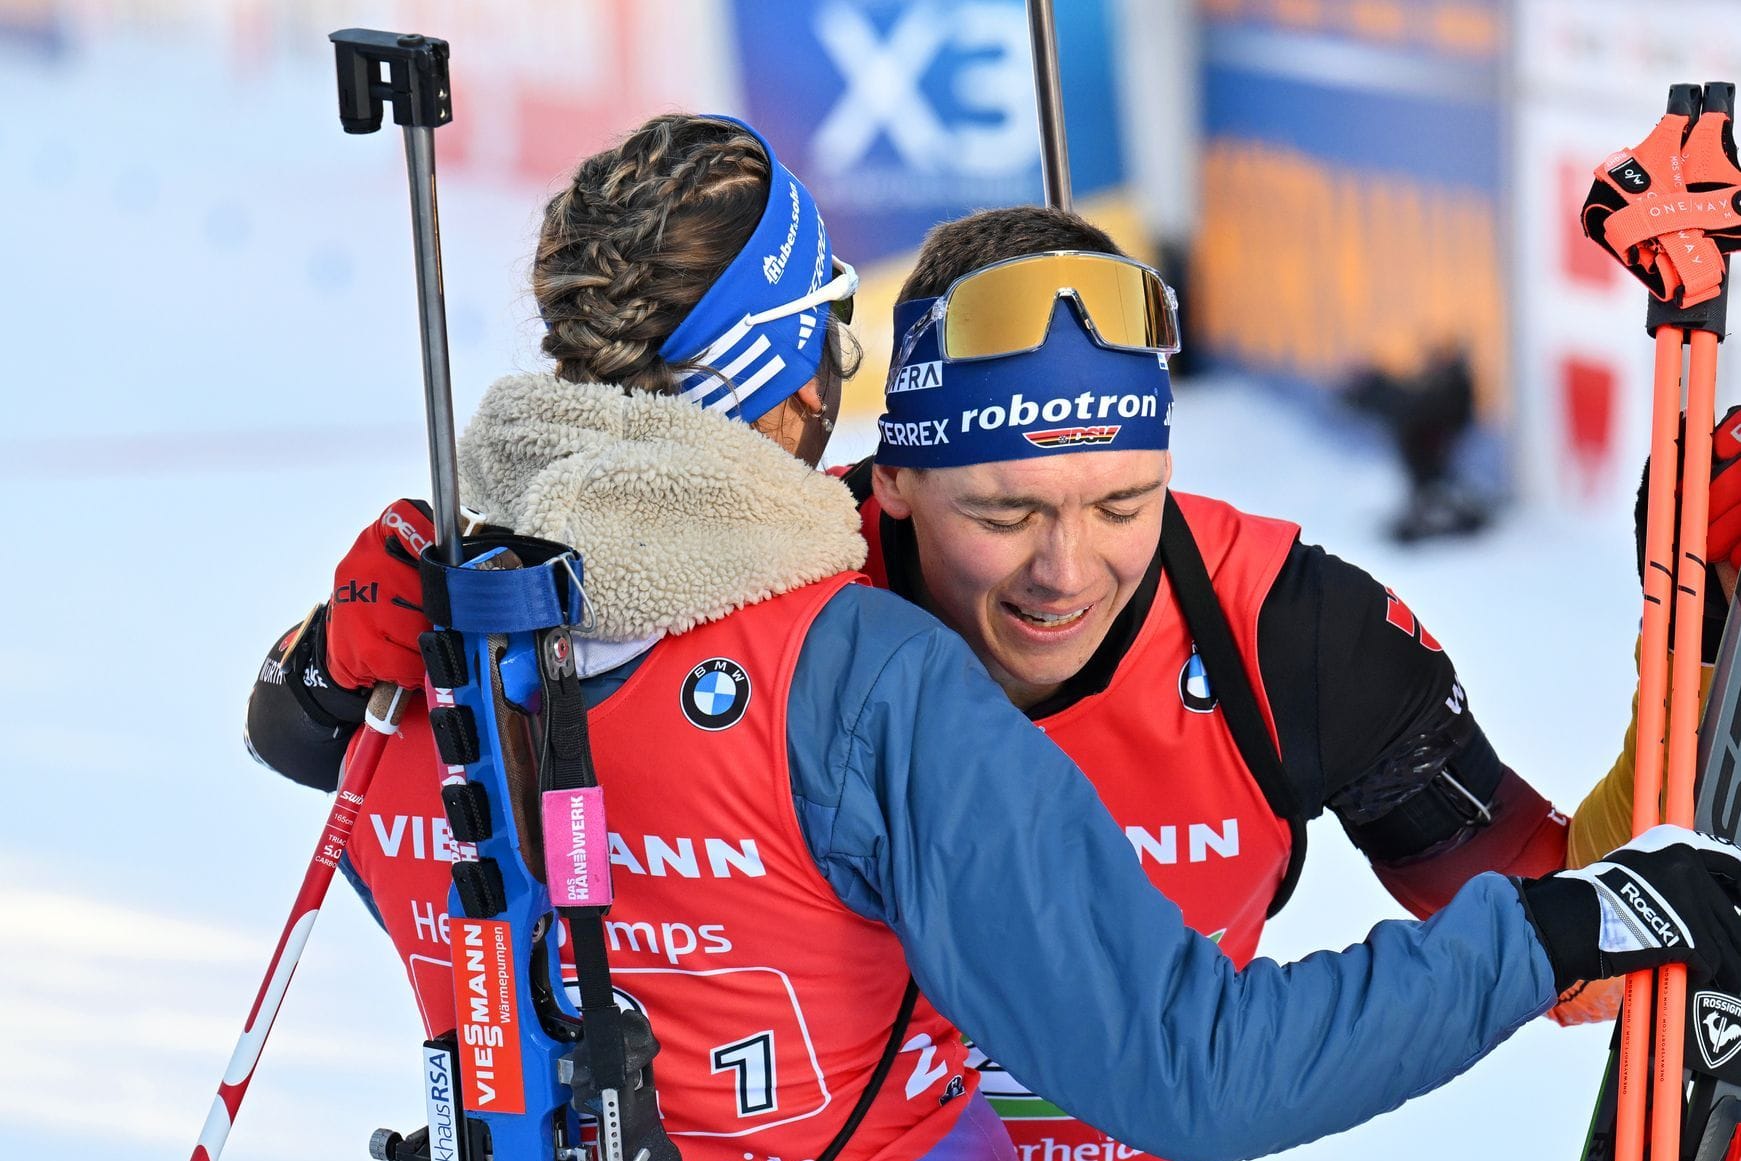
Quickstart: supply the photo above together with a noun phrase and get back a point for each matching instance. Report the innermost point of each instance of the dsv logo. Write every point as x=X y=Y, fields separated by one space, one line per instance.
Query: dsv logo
x=982 y=51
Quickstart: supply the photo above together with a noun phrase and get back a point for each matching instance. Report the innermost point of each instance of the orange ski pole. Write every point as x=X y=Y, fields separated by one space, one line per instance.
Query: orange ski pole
x=1692 y=148
x=1653 y=689
x=1683 y=741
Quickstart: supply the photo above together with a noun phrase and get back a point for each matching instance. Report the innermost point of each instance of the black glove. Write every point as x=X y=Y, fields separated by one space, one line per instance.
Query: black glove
x=1668 y=896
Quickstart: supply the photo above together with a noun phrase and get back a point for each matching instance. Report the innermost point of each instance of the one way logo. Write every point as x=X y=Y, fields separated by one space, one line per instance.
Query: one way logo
x=1718 y=1019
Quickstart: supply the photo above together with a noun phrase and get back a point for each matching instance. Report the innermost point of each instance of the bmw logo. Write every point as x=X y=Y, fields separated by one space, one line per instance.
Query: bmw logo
x=1194 y=691
x=715 y=694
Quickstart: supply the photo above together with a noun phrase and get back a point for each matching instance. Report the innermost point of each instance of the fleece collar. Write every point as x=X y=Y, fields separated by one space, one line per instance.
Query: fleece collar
x=681 y=515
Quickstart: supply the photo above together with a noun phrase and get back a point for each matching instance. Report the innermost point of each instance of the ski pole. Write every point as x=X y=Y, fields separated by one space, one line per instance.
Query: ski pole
x=1659 y=794
x=1670 y=1083
x=1049 y=95
x=1653 y=689
x=1690 y=574
x=382 y=721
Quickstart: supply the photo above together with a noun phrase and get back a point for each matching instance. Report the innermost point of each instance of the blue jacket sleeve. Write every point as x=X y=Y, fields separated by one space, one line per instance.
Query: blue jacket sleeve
x=931 y=804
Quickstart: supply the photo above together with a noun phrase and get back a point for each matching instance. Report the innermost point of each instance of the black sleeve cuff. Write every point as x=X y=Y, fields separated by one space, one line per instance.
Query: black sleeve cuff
x=305 y=676
x=1567 y=920
x=298 y=723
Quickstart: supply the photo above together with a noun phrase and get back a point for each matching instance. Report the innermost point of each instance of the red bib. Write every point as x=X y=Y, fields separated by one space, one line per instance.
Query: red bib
x=1156 y=747
x=771 y=999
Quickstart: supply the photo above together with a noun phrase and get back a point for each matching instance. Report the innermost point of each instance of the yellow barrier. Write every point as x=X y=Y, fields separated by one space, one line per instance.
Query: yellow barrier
x=1309 y=270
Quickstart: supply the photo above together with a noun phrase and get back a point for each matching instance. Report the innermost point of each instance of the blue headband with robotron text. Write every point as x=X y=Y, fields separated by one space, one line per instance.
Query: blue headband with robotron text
x=1070 y=395
x=748 y=370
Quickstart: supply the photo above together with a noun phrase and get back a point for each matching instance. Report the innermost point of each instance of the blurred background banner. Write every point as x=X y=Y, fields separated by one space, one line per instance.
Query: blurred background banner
x=1351 y=190
x=903 y=113
x=899 y=114
x=1593 y=81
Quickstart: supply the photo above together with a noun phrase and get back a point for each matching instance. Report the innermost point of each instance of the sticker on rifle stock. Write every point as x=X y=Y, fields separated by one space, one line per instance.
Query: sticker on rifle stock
x=577 y=847
x=487 y=1006
x=438 y=1099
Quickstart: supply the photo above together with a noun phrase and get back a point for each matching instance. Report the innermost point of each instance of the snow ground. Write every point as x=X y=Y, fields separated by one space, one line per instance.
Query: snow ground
x=210 y=382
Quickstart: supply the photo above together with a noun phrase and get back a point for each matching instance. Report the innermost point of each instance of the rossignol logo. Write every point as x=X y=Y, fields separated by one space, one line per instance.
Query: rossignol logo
x=916 y=377
x=715 y=694
x=392 y=522
x=1718 y=1016
x=774 y=265
x=1072 y=436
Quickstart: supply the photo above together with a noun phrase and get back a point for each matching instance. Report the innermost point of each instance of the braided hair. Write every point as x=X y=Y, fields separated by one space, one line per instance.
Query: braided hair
x=641 y=232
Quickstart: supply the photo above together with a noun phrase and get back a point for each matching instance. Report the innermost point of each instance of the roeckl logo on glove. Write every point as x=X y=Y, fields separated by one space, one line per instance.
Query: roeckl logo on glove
x=1623 y=890
x=1665 y=930
x=392 y=522
x=353 y=593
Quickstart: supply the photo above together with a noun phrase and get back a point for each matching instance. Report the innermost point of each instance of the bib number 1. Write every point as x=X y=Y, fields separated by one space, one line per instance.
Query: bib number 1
x=752 y=1058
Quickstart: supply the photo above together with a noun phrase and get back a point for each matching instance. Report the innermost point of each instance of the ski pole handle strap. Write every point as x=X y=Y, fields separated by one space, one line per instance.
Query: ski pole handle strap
x=1669 y=209
x=543 y=593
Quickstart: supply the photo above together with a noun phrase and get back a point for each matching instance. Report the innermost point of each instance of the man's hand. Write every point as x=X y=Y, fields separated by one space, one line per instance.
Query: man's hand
x=1668 y=896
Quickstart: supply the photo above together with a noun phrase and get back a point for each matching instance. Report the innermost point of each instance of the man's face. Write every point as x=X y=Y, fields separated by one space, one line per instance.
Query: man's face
x=1031 y=560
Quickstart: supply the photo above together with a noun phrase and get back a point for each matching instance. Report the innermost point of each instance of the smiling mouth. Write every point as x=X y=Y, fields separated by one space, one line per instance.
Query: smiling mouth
x=1047 y=620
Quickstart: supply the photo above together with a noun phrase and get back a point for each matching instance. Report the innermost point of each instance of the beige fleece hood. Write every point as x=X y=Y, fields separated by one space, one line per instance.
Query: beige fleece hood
x=680 y=515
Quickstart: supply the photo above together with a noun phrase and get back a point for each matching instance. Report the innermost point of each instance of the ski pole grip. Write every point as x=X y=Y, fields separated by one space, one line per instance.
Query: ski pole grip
x=1720 y=98
x=386 y=704
x=375 y=68
x=1685 y=100
x=1711 y=315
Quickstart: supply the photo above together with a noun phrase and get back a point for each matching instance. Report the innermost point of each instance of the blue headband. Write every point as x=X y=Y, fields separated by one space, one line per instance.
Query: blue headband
x=752 y=368
x=1070 y=395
